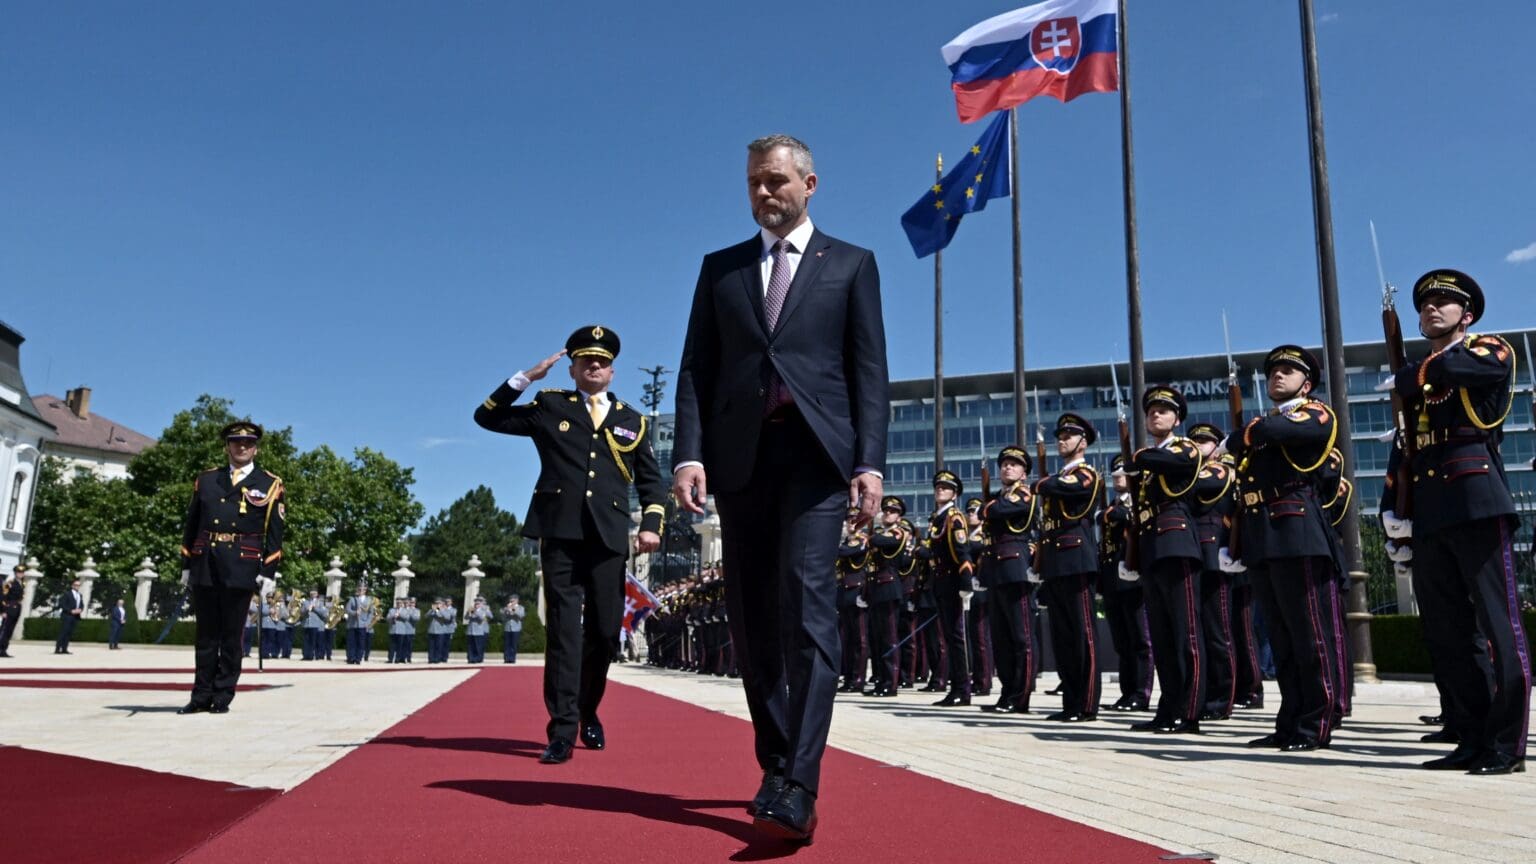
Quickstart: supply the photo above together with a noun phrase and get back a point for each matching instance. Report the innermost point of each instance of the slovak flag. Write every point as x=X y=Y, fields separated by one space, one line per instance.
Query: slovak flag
x=638 y=602
x=1061 y=48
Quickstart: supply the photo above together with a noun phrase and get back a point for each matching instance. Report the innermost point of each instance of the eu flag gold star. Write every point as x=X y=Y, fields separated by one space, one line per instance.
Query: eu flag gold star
x=970 y=192
x=937 y=189
x=938 y=205
x=978 y=178
x=975 y=150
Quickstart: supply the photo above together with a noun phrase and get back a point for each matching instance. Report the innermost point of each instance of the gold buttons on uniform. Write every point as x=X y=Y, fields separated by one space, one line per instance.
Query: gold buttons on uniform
x=592 y=455
x=589 y=493
x=1431 y=472
x=591 y=473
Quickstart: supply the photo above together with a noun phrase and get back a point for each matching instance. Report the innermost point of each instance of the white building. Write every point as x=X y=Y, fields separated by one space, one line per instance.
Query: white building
x=86 y=441
x=22 y=434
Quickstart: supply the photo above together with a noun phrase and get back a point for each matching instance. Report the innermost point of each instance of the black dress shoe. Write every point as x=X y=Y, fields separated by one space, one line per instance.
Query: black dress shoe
x=1003 y=706
x=1432 y=719
x=1441 y=736
x=218 y=709
x=953 y=699
x=1273 y=739
x=1298 y=745
x=1057 y=716
x=192 y=708
x=773 y=783
x=1119 y=705
x=1054 y=691
x=592 y=736
x=1498 y=763
x=1216 y=715
x=1075 y=717
x=791 y=815
x=1182 y=727
x=1148 y=725
x=1249 y=703
x=1460 y=759
x=559 y=750
x=881 y=693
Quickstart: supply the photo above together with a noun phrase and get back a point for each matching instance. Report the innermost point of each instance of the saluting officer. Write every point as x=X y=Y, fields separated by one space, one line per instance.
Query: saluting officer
x=591 y=448
x=1010 y=519
x=1288 y=545
x=1125 y=606
x=233 y=537
x=1171 y=561
x=1463 y=524
x=1069 y=561
x=1215 y=503
x=948 y=551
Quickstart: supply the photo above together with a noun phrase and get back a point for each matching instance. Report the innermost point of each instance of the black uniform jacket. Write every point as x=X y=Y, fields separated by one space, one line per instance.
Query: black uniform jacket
x=852 y=562
x=582 y=468
x=1114 y=520
x=1458 y=399
x=1214 y=505
x=948 y=550
x=1067 y=503
x=887 y=559
x=236 y=531
x=1280 y=459
x=1010 y=520
x=1165 y=518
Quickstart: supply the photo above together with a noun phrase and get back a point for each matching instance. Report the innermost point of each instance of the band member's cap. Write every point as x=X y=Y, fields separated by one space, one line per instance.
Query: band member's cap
x=973 y=505
x=1017 y=454
x=1297 y=357
x=593 y=341
x=1453 y=283
x=1117 y=465
x=241 y=429
x=1074 y=423
x=1205 y=432
x=893 y=502
x=1162 y=394
x=948 y=478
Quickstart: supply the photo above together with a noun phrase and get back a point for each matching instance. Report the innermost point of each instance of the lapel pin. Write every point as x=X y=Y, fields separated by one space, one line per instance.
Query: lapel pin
x=819 y=254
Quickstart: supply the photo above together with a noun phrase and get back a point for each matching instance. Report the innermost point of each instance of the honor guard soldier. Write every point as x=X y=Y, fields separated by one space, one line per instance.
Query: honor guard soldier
x=1248 y=671
x=1288 y=546
x=853 y=557
x=948 y=552
x=1170 y=560
x=1069 y=563
x=912 y=662
x=1336 y=493
x=233 y=538
x=592 y=448
x=888 y=557
x=1462 y=524
x=1010 y=520
x=1215 y=503
x=1125 y=608
x=978 y=618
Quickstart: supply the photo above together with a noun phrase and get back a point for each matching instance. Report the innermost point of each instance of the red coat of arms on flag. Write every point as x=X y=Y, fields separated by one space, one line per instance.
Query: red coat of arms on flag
x=1056 y=43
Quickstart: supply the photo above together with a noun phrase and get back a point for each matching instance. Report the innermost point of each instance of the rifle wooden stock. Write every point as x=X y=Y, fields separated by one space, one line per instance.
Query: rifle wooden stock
x=1133 y=478
x=1397 y=358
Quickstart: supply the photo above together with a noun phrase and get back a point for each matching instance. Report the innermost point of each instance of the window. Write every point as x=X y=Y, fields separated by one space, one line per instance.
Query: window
x=14 y=510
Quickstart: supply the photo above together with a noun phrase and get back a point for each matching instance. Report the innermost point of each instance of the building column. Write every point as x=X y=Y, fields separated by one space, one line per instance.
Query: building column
x=144 y=576
x=87 y=575
x=333 y=579
x=403 y=578
x=29 y=579
x=472 y=578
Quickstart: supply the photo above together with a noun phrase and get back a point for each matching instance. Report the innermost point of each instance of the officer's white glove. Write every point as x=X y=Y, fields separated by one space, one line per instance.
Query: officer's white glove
x=1399 y=553
x=186 y=578
x=1228 y=563
x=976 y=584
x=911 y=607
x=861 y=602
x=1127 y=575
x=1397 y=529
x=1031 y=575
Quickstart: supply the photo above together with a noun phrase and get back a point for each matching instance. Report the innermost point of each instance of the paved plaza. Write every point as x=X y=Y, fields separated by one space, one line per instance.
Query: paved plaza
x=1364 y=800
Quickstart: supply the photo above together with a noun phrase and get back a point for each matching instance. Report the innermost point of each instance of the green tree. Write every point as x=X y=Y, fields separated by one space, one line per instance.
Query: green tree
x=473 y=525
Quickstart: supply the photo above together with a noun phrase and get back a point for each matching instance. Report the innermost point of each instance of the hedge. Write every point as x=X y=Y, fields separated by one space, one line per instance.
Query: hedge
x=1397 y=643
x=136 y=632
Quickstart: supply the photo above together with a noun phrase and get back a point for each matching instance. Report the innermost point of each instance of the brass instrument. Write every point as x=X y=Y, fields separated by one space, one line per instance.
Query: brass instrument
x=338 y=612
x=295 y=612
x=373 y=604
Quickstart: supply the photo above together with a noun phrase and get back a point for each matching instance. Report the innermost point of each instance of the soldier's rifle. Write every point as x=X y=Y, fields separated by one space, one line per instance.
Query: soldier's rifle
x=1397 y=358
x=1039 y=438
x=986 y=475
x=1235 y=410
x=1132 y=477
x=1531 y=370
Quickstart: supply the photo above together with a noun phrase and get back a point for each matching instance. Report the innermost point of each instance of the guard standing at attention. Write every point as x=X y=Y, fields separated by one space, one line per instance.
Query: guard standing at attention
x=592 y=448
x=1069 y=562
x=233 y=538
x=1010 y=520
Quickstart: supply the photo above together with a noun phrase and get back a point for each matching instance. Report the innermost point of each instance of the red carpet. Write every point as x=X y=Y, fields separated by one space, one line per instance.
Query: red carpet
x=459 y=780
x=65 y=810
x=118 y=685
x=335 y=667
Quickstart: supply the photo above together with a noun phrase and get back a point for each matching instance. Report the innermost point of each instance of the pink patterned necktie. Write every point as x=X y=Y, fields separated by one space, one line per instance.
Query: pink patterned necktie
x=773 y=303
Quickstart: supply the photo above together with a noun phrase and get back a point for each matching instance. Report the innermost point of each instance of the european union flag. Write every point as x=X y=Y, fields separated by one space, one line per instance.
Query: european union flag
x=981 y=176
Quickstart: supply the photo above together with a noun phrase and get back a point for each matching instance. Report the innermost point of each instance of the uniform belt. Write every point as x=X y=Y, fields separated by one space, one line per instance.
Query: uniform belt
x=220 y=537
x=1459 y=434
x=1254 y=498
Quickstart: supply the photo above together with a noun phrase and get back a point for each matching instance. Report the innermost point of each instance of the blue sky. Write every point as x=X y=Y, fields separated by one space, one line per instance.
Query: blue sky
x=357 y=218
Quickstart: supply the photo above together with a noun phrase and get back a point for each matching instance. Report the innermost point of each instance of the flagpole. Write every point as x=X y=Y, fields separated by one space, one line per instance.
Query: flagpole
x=1358 y=616
x=938 y=341
x=1132 y=251
x=1018 y=279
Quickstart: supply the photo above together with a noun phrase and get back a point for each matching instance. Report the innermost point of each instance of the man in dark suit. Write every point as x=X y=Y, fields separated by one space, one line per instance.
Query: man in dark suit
x=782 y=398
x=591 y=448
x=71 y=604
x=233 y=537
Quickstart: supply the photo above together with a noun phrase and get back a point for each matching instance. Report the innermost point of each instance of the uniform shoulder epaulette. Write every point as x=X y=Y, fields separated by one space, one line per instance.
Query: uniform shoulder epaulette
x=270 y=474
x=555 y=390
x=1483 y=344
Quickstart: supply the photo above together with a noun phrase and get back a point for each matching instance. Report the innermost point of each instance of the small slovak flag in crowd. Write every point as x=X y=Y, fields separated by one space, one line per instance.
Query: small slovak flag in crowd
x=1061 y=48
x=638 y=602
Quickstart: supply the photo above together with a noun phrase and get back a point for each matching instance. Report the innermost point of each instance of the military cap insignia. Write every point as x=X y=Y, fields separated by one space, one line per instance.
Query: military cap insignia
x=597 y=332
x=565 y=425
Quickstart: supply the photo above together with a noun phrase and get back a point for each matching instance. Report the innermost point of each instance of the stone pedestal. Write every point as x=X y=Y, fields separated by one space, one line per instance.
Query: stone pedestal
x=333 y=579
x=403 y=578
x=29 y=579
x=710 y=547
x=472 y=578
x=87 y=575
x=143 y=577
x=1407 y=604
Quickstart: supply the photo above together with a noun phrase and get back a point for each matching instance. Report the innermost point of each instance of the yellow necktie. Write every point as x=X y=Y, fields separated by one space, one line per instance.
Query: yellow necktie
x=596 y=409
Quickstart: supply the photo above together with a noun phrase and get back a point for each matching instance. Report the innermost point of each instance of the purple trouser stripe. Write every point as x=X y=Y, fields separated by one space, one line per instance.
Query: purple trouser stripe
x=1148 y=669
x=1225 y=597
x=1512 y=609
x=1091 y=699
x=1193 y=708
x=1341 y=661
x=1314 y=612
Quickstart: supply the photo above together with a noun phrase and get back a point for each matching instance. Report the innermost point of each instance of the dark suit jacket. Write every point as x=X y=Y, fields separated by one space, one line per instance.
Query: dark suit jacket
x=582 y=468
x=828 y=348
x=248 y=518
